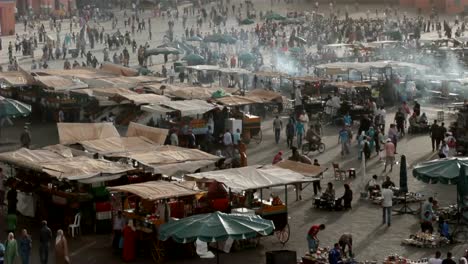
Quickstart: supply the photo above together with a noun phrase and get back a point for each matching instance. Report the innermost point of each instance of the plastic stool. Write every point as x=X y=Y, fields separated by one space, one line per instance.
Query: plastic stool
x=352 y=173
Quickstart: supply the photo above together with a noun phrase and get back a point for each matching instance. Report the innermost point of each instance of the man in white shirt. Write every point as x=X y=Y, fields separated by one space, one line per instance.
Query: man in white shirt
x=174 y=139
x=387 y=203
x=436 y=259
x=227 y=141
x=236 y=137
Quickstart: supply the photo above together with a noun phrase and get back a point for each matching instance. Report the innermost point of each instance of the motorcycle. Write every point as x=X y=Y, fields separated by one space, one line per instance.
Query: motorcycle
x=316 y=146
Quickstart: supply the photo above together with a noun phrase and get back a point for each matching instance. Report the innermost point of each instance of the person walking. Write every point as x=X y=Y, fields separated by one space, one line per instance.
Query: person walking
x=119 y=223
x=25 y=138
x=389 y=154
x=387 y=204
x=227 y=141
x=290 y=131
x=11 y=249
x=277 y=126
x=61 y=249
x=449 y=259
x=433 y=133
x=300 y=131
x=344 y=139
x=25 y=245
x=45 y=236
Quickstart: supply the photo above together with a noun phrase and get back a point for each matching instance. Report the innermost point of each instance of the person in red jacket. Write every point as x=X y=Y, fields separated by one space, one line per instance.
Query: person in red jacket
x=312 y=237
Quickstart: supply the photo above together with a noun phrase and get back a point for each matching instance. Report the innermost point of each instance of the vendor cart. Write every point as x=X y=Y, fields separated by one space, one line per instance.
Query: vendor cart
x=279 y=215
x=252 y=129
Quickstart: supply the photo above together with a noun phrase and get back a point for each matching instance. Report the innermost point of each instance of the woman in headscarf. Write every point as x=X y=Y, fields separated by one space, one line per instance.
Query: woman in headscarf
x=61 y=249
x=25 y=245
x=278 y=157
x=371 y=138
x=11 y=249
x=129 y=236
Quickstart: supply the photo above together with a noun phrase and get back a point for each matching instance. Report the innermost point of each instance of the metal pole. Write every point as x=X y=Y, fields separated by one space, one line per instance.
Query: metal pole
x=286 y=195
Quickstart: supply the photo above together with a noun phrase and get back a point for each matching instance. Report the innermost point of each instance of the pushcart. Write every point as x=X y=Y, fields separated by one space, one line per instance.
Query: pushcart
x=252 y=128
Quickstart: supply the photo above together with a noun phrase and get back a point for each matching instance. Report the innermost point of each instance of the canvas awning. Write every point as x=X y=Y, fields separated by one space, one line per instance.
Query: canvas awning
x=156 y=135
x=171 y=160
x=113 y=145
x=71 y=133
x=302 y=168
x=349 y=85
x=154 y=190
x=31 y=159
x=189 y=92
x=62 y=165
x=204 y=68
x=252 y=177
x=15 y=78
x=269 y=74
x=190 y=107
x=140 y=99
x=265 y=95
x=58 y=83
x=237 y=100
x=80 y=168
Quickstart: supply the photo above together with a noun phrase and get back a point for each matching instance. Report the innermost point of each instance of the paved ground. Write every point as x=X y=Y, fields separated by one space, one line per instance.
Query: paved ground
x=372 y=240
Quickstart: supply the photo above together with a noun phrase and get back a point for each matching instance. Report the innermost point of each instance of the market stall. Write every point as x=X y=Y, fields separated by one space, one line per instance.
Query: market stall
x=55 y=178
x=151 y=204
x=242 y=183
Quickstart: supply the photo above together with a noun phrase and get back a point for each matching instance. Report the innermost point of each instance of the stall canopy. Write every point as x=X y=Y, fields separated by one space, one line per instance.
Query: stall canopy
x=64 y=166
x=155 y=190
x=204 y=68
x=252 y=177
x=190 y=107
x=114 y=145
x=83 y=168
x=16 y=78
x=349 y=85
x=141 y=99
x=337 y=67
x=237 y=100
x=444 y=171
x=157 y=135
x=71 y=133
x=265 y=95
x=58 y=83
x=171 y=160
x=188 y=92
x=307 y=170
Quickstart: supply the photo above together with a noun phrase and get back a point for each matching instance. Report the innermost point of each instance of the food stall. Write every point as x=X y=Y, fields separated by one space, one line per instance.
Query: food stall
x=243 y=183
x=183 y=116
x=151 y=204
x=54 y=177
x=251 y=124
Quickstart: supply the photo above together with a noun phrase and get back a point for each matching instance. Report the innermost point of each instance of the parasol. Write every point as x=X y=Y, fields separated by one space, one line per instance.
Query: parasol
x=13 y=108
x=215 y=227
x=246 y=57
x=194 y=38
x=163 y=50
x=445 y=171
x=403 y=175
x=247 y=21
x=274 y=16
x=194 y=59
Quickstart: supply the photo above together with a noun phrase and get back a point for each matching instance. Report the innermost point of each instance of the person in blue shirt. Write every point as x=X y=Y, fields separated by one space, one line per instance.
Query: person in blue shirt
x=334 y=256
x=344 y=139
x=300 y=131
x=2 y=253
x=347 y=120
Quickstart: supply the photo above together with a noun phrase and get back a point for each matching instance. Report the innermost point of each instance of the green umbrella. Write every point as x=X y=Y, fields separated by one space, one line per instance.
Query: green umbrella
x=194 y=59
x=195 y=38
x=163 y=50
x=296 y=50
x=462 y=188
x=246 y=57
x=215 y=227
x=13 y=108
x=274 y=16
x=247 y=21
x=445 y=171
x=403 y=175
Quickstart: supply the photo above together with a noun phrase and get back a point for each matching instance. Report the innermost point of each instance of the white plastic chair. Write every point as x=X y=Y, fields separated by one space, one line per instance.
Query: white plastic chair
x=75 y=226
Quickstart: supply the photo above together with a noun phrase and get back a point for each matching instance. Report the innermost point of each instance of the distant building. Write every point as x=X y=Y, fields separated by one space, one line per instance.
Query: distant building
x=442 y=6
x=7 y=17
x=56 y=7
